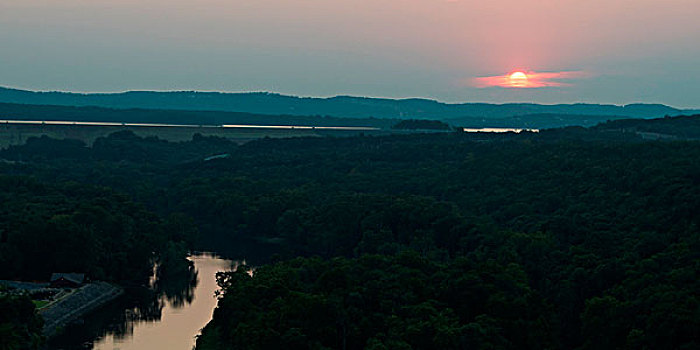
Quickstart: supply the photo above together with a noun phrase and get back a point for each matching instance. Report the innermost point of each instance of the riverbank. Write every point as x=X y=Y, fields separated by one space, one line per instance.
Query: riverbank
x=168 y=316
x=77 y=304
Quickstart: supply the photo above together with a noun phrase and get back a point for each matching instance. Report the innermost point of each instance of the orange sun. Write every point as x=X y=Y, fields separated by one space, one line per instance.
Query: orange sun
x=527 y=79
x=518 y=79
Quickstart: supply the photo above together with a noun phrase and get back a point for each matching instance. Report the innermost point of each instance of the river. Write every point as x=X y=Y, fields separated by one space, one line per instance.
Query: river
x=169 y=318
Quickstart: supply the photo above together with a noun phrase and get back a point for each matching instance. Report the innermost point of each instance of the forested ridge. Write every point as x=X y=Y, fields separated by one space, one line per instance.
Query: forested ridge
x=338 y=106
x=680 y=127
x=570 y=238
x=13 y=111
x=421 y=124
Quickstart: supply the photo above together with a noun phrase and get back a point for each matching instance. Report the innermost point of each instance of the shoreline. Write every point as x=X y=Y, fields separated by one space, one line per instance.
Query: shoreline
x=82 y=301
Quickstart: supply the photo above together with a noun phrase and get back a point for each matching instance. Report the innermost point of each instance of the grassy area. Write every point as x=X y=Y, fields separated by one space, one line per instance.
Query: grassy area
x=14 y=134
x=40 y=303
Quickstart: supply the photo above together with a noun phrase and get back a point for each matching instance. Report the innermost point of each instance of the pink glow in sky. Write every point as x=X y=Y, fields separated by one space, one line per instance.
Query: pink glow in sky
x=634 y=50
x=523 y=79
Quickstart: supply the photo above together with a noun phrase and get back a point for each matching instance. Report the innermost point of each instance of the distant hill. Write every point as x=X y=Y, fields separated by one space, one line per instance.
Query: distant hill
x=536 y=121
x=340 y=106
x=680 y=127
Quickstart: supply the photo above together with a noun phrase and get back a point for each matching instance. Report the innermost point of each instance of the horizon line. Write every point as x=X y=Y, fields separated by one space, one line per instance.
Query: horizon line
x=328 y=97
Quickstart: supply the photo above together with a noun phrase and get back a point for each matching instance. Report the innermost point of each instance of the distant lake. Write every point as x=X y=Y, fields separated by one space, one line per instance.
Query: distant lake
x=515 y=130
x=169 y=319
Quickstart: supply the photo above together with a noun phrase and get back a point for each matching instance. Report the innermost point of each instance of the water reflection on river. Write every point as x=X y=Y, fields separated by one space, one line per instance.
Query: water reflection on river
x=170 y=318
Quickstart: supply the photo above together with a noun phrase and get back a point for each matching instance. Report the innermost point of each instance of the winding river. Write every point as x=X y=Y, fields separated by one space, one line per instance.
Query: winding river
x=170 y=318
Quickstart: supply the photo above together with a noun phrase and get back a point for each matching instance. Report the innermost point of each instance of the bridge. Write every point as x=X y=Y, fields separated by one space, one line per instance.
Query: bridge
x=16 y=132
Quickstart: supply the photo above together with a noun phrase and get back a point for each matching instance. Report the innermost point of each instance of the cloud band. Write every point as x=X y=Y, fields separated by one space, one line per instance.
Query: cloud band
x=533 y=80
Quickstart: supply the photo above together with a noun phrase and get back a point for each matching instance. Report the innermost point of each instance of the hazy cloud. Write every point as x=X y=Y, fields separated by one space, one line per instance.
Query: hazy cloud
x=529 y=79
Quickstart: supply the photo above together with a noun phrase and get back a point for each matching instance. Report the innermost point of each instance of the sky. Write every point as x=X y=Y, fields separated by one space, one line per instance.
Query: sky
x=599 y=51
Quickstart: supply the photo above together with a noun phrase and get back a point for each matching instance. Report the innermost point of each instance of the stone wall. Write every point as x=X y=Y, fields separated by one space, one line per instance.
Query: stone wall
x=77 y=304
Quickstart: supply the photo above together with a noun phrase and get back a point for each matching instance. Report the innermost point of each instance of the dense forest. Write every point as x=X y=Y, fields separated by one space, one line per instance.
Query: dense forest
x=565 y=239
x=76 y=227
x=681 y=127
x=421 y=124
x=20 y=326
x=12 y=111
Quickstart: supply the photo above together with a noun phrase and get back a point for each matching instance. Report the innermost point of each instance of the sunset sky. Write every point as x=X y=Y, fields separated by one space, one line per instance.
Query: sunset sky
x=606 y=51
